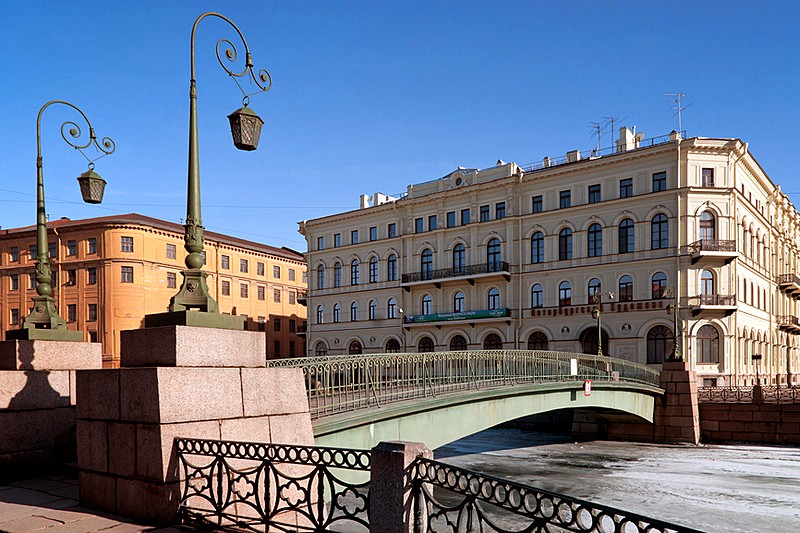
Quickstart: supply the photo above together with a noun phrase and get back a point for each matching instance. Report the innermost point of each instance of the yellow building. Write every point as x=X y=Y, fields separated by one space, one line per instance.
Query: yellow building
x=109 y=272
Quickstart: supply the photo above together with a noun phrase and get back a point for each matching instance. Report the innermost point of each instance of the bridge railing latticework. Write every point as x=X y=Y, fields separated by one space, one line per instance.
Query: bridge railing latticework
x=346 y=383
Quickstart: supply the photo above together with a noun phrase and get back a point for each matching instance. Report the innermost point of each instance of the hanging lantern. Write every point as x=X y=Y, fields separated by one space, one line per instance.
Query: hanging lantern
x=92 y=187
x=245 y=128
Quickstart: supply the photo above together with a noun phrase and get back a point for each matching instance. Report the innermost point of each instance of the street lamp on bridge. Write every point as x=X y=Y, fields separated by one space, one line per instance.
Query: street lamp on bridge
x=673 y=309
x=597 y=314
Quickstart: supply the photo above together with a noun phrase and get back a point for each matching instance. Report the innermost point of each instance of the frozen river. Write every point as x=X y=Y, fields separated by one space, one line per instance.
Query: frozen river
x=715 y=488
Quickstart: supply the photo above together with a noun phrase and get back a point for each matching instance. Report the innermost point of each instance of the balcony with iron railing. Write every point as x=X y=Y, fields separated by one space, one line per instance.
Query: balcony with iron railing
x=302 y=297
x=789 y=323
x=790 y=284
x=720 y=303
x=724 y=250
x=468 y=272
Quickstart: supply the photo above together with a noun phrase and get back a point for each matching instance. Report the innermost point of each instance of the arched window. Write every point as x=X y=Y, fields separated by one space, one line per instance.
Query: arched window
x=537 y=296
x=594 y=290
x=565 y=244
x=708 y=344
x=565 y=294
x=320 y=349
x=354 y=272
x=707 y=292
x=320 y=277
x=458 y=344
x=426 y=263
x=707 y=226
x=626 y=288
x=392 y=346
x=372 y=309
x=459 y=259
x=659 y=232
x=492 y=342
x=494 y=298
x=425 y=345
x=373 y=270
x=659 y=344
x=354 y=312
x=320 y=314
x=588 y=340
x=391 y=308
x=426 y=304
x=493 y=255
x=458 y=302
x=537 y=247
x=337 y=275
x=595 y=236
x=337 y=311
x=626 y=236
x=659 y=286
x=538 y=341
x=355 y=348
x=391 y=268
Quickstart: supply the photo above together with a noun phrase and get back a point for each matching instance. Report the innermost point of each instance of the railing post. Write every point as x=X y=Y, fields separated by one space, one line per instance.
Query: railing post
x=392 y=507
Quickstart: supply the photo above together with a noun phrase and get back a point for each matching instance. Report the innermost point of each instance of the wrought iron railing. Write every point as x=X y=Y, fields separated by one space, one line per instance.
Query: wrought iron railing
x=454 y=272
x=346 y=383
x=789 y=279
x=712 y=299
x=712 y=245
x=271 y=487
x=788 y=321
x=486 y=503
x=749 y=394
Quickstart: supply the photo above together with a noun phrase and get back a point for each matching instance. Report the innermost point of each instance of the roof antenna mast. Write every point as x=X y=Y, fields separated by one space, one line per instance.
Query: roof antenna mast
x=612 y=121
x=596 y=126
x=678 y=107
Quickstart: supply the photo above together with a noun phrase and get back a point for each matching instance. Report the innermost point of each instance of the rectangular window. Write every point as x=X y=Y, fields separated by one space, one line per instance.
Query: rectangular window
x=373 y=233
x=126 y=274
x=708 y=177
x=126 y=244
x=72 y=247
x=244 y=290
x=659 y=181
x=92 y=272
x=172 y=251
x=276 y=324
x=337 y=240
x=292 y=274
x=226 y=288
x=292 y=325
x=292 y=297
x=244 y=265
x=450 y=219
x=354 y=237
x=92 y=336
x=432 y=222
x=14 y=282
x=500 y=210
x=276 y=272
x=92 y=315
x=564 y=199
x=594 y=194
x=262 y=323
x=72 y=312
x=72 y=278
x=276 y=348
x=391 y=230
x=305 y=278
x=91 y=246
x=537 y=204
x=464 y=217
x=626 y=188
x=291 y=348
x=320 y=243
x=33 y=251
x=262 y=292
x=31 y=281
x=225 y=262
x=418 y=225
x=172 y=280
x=484 y=213
x=14 y=253
x=14 y=317
x=276 y=296
x=52 y=249
x=260 y=269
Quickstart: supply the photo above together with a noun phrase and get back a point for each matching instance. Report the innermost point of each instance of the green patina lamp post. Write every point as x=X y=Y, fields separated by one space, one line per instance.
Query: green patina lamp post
x=245 y=129
x=672 y=309
x=44 y=322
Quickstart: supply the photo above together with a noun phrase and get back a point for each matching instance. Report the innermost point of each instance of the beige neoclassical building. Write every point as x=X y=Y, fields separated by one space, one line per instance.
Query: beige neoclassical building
x=519 y=257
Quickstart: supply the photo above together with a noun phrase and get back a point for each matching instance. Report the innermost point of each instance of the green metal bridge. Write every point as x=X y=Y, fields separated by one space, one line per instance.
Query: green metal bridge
x=439 y=397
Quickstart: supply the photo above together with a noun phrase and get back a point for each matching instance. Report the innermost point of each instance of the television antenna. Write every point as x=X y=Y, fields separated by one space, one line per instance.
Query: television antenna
x=612 y=121
x=598 y=131
x=677 y=99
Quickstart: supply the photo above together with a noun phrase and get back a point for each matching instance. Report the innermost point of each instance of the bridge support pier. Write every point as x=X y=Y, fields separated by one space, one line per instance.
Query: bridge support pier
x=391 y=495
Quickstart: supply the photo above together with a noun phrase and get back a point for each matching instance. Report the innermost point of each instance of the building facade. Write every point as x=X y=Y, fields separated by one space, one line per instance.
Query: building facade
x=519 y=258
x=110 y=272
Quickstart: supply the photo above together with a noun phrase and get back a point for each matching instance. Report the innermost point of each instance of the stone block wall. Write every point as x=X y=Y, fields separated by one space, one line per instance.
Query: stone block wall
x=763 y=423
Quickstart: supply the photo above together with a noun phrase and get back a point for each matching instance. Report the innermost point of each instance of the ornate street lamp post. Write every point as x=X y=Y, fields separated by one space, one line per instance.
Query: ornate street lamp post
x=44 y=321
x=245 y=129
x=672 y=309
x=597 y=315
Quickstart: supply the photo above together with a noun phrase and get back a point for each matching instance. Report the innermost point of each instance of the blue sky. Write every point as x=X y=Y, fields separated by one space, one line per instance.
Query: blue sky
x=371 y=96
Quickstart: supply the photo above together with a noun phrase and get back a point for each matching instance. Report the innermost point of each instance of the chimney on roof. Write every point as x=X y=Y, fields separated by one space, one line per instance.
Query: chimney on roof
x=573 y=155
x=626 y=140
x=364 y=201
